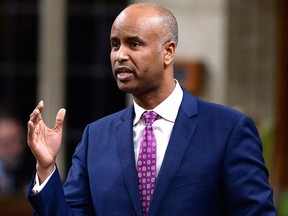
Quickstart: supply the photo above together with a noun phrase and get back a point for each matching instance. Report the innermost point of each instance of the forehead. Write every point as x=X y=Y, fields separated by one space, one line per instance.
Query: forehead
x=136 y=21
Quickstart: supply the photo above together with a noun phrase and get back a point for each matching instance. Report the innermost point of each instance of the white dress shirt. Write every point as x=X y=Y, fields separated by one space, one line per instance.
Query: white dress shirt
x=162 y=126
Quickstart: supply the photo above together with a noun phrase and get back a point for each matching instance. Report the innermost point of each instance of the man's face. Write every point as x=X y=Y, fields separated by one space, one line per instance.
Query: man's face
x=11 y=146
x=137 y=55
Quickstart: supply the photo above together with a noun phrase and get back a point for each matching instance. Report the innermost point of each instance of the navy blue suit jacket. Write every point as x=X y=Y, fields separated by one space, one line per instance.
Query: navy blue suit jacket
x=213 y=166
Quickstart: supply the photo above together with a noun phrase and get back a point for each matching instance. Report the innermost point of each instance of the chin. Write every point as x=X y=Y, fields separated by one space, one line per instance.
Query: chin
x=124 y=88
x=128 y=87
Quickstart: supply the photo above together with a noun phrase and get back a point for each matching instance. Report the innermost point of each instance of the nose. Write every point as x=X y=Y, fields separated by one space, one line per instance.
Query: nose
x=121 y=54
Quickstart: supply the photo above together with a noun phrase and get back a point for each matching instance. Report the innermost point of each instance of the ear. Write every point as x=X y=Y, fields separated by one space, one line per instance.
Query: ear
x=170 y=48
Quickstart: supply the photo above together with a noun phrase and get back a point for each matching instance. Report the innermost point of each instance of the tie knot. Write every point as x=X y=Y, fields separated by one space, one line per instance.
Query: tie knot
x=149 y=117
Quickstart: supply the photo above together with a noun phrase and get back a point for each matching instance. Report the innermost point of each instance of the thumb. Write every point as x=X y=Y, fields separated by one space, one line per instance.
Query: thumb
x=60 y=119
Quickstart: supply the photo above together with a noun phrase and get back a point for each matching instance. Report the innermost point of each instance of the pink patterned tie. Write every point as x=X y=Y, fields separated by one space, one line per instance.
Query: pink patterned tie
x=146 y=165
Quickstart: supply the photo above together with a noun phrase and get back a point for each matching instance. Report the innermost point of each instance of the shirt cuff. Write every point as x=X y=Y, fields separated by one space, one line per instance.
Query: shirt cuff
x=37 y=188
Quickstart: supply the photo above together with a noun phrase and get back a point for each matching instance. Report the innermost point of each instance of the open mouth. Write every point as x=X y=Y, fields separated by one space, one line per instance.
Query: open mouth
x=123 y=73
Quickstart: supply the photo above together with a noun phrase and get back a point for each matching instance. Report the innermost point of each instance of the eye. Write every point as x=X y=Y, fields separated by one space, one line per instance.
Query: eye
x=115 y=45
x=135 y=44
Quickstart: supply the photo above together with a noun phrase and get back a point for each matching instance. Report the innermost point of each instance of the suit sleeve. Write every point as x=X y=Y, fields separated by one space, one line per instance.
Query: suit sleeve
x=245 y=176
x=51 y=200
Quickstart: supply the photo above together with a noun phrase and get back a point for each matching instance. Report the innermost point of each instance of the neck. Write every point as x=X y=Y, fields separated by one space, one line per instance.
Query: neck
x=152 y=99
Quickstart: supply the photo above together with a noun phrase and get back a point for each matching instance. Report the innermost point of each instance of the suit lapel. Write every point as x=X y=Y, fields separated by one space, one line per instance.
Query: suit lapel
x=127 y=159
x=179 y=142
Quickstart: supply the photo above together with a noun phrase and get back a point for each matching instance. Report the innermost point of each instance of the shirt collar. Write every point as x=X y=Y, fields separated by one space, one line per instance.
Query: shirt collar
x=167 y=109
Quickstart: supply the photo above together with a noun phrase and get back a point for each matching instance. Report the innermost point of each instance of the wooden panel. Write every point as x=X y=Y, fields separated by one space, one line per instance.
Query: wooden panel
x=15 y=206
x=189 y=74
x=280 y=174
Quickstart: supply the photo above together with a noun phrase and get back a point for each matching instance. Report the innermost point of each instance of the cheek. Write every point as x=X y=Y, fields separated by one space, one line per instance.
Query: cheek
x=112 y=57
x=152 y=60
x=155 y=64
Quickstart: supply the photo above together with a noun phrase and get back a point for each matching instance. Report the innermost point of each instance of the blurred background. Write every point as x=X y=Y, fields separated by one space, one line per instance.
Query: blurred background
x=230 y=52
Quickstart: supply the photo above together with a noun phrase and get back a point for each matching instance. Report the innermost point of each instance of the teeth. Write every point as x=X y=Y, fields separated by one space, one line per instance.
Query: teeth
x=123 y=75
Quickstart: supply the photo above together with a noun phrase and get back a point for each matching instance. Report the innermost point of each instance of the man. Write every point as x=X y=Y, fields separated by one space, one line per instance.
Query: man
x=14 y=177
x=208 y=160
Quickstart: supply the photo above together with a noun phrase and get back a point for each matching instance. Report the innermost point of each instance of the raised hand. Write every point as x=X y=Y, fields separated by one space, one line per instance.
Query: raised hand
x=43 y=141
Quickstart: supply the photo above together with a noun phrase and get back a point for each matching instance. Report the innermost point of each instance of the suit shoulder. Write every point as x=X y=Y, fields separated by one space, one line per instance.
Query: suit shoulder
x=223 y=118
x=218 y=110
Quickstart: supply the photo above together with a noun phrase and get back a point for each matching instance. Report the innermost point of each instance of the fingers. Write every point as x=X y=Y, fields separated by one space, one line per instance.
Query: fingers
x=35 y=116
x=40 y=105
x=60 y=119
x=30 y=133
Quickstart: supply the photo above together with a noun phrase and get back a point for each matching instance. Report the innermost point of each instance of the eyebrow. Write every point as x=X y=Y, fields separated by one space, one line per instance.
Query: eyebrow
x=130 y=38
x=134 y=38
